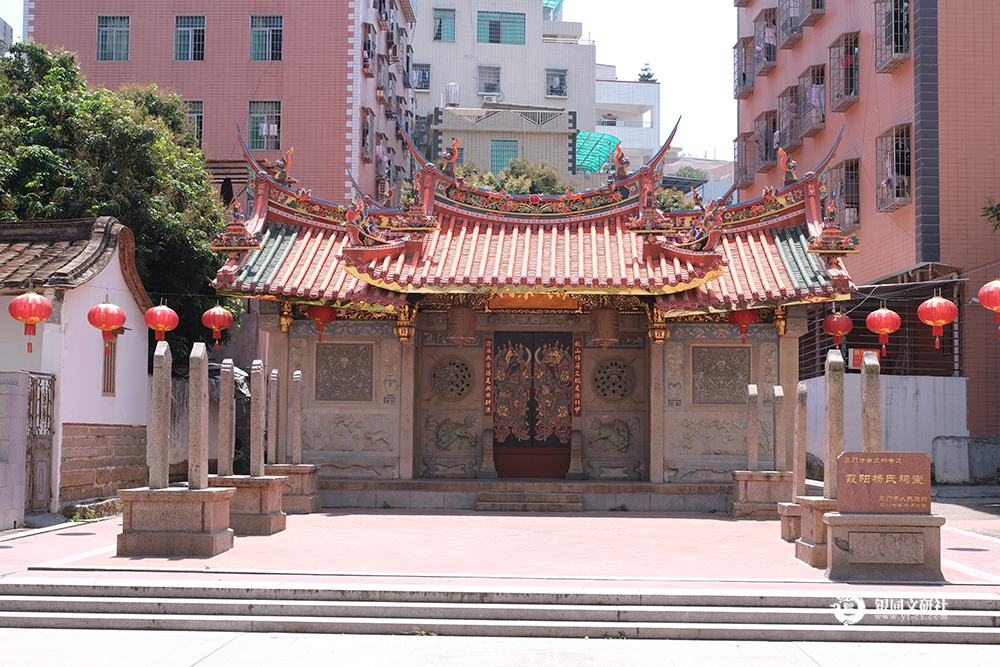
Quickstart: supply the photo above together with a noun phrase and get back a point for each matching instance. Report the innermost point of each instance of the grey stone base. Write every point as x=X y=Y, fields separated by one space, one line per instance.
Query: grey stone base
x=791 y=521
x=883 y=547
x=301 y=504
x=257 y=524
x=256 y=506
x=175 y=522
x=811 y=547
x=755 y=511
x=167 y=544
x=810 y=553
x=300 y=493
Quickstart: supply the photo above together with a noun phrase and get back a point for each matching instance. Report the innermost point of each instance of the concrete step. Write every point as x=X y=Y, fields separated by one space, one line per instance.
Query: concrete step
x=503 y=627
x=528 y=507
x=571 y=613
x=528 y=497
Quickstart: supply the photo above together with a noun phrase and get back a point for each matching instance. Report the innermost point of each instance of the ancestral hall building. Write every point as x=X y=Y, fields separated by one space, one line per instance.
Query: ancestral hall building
x=580 y=336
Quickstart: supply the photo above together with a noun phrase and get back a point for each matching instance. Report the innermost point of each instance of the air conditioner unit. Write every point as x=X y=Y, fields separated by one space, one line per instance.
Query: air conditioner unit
x=490 y=98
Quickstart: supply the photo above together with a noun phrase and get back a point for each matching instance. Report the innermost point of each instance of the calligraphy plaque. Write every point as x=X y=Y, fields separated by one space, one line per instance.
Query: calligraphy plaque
x=488 y=375
x=577 y=376
x=884 y=483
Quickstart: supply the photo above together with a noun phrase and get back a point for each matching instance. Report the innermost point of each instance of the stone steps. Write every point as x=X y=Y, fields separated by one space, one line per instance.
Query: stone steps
x=528 y=501
x=549 y=612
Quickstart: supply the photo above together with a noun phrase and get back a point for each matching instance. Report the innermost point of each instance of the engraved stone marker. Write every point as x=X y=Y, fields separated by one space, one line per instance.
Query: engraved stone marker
x=884 y=483
x=871 y=403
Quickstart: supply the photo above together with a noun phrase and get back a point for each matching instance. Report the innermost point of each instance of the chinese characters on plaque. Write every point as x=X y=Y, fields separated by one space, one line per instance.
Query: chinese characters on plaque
x=884 y=483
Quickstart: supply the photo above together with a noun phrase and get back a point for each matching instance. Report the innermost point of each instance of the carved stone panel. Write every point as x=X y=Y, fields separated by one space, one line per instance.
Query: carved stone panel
x=460 y=468
x=719 y=374
x=613 y=380
x=355 y=469
x=768 y=369
x=674 y=380
x=344 y=371
x=451 y=378
x=613 y=434
x=614 y=469
x=451 y=432
x=324 y=431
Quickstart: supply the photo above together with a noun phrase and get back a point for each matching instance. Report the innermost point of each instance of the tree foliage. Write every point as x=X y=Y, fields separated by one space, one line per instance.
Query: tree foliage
x=672 y=199
x=520 y=178
x=646 y=74
x=687 y=171
x=992 y=213
x=70 y=151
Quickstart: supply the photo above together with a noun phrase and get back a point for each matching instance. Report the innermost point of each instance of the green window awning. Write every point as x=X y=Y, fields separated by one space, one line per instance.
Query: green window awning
x=593 y=149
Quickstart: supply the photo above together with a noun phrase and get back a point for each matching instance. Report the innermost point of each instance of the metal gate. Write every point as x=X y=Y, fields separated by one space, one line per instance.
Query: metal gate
x=38 y=465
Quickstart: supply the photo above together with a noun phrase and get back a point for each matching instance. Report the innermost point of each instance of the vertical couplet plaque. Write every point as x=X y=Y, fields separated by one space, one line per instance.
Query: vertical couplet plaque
x=577 y=375
x=488 y=374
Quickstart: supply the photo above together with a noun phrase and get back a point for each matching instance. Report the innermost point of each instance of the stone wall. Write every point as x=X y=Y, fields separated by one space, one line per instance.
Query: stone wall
x=13 y=426
x=99 y=459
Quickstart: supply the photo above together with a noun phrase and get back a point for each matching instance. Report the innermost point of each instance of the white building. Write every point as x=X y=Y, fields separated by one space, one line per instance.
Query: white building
x=630 y=111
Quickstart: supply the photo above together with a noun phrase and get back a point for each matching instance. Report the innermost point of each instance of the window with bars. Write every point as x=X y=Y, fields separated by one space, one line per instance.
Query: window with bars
x=844 y=186
x=789 y=23
x=746 y=160
x=812 y=101
x=788 y=119
x=892 y=34
x=765 y=140
x=189 y=38
x=113 y=37
x=499 y=28
x=892 y=168
x=743 y=54
x=195 y=116
x=502 y=151
x=444 y=25
x=422 y=78
x=844 y=72
x=489 y=80
x=555 y=83
x=108 y=370
x=265 y=126
x=812 y=11
x=765 y=35
x=367 y=135
x=265 y=37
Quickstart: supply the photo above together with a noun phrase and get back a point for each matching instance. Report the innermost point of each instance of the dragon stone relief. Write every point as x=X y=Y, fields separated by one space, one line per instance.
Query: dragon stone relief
x=358 y=470
x=462 y=468
x=610 y=435
x=347 y=433
x=447 y=434
x=719 y=436
x=615 y=469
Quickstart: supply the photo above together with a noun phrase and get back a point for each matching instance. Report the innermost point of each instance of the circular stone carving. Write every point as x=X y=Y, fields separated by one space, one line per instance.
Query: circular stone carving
x=614 y=380
x=451 y=378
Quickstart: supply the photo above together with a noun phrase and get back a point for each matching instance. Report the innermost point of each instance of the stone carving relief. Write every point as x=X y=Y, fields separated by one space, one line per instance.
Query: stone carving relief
x=759 y=331
x=461 y=468
x=348 y=433
x=569 y=321
x=344 y=371
x=625 y=340
x=719 y=375
x=719 y=436
x=374 y=470
x=768 y=369
x=615 y=469
x=451 y=378
x=390 y=368
x=610 y=435
x=674 y=375
x=451 y=434
x=698 y=472
x=440 y=339
x=613 y=380
x=297 y=356
x=342 y=327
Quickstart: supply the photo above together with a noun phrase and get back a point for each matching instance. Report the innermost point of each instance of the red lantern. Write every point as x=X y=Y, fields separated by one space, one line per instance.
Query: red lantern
x=883 y=322
x=30 y=308
x=838 y=325
x=321 y=315
x=217 y=319
x=107 y=317
x=989 y=296
x=161 y=319
x=743 y=319
x=937 y=312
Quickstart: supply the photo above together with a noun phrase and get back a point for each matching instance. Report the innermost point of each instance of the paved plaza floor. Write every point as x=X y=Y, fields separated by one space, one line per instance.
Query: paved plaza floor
x=440 y=549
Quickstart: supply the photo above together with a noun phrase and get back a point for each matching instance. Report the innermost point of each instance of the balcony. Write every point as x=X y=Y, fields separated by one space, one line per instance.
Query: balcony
x=812 y=101
x=743 y=68
x=745 y=160
x=788 y=119
x=893 y=168
x=789 y=26
x=741 y=3
x=812 y=11
x=844 y=72
x=765 y=30
x=892 y=35
x=765 y=127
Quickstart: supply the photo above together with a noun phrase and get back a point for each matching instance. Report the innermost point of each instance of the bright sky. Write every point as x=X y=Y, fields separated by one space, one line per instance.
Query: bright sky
x=687 y=43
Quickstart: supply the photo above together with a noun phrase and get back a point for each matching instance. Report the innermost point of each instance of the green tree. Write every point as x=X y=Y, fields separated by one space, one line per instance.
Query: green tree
x=992 y=213
x=70 y=151
x=672 y=199
x=646 y=74
x=520 y=178
x=687 y=171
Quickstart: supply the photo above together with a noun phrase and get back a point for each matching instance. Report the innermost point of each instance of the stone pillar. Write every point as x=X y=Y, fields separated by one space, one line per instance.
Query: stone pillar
x=833 y=436
x=159 y=419
x=257 y=418
x=799 y=458
x=275 y=443
x=576 y=456
x=296 y=426
x=751 y=428
x=198 y=418
x=871 y=403
x=657 y=405
x=227 y=413
x=277 y=360
x=796 y=324
x=780 y=436
x=407 y=409
x=488 y=470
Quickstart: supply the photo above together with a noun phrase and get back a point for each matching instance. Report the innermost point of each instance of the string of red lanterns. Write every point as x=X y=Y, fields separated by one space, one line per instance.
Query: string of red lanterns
x=837 y=325
x=989 y=297
x=161 y=319
x=936 y=312
x=217 y=319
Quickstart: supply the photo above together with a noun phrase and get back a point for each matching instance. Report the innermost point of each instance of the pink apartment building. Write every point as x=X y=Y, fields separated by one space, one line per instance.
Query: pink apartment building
x=329 y=79
x=912 y=85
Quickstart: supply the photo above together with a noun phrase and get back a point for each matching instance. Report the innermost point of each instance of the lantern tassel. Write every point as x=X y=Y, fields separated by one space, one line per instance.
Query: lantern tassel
x=29 y=347
x=107 y=349
x=883 y=350
x=937 y=343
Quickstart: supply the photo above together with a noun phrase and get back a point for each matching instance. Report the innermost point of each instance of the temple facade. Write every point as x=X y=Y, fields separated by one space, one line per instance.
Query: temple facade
x=585 y=336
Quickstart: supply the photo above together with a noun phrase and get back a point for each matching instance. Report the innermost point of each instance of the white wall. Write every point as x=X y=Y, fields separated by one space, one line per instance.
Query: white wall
x=915 y=410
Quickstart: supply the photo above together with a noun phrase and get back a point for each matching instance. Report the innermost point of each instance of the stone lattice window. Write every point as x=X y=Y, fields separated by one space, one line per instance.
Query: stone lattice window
x=613 y=380
x=344 y=372
x=110 y=367
x=451 y=378
x=719 y=375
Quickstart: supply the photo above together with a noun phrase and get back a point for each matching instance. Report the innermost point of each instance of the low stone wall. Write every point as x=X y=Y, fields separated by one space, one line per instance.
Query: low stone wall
x=966 y=459
x=99 y=459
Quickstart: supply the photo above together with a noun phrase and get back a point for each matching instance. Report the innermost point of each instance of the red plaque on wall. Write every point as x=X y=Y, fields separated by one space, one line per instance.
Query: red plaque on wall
x=884 y=483
x=577 y=375
x=488 y=374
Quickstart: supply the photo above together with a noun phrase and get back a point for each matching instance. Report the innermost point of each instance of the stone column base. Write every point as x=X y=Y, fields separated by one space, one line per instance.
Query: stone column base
x=791 y=521
x=811 y=546
x=175 y=522
x=759 y=492
x=300 y=494
x=256 y=507
x=884 y=547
